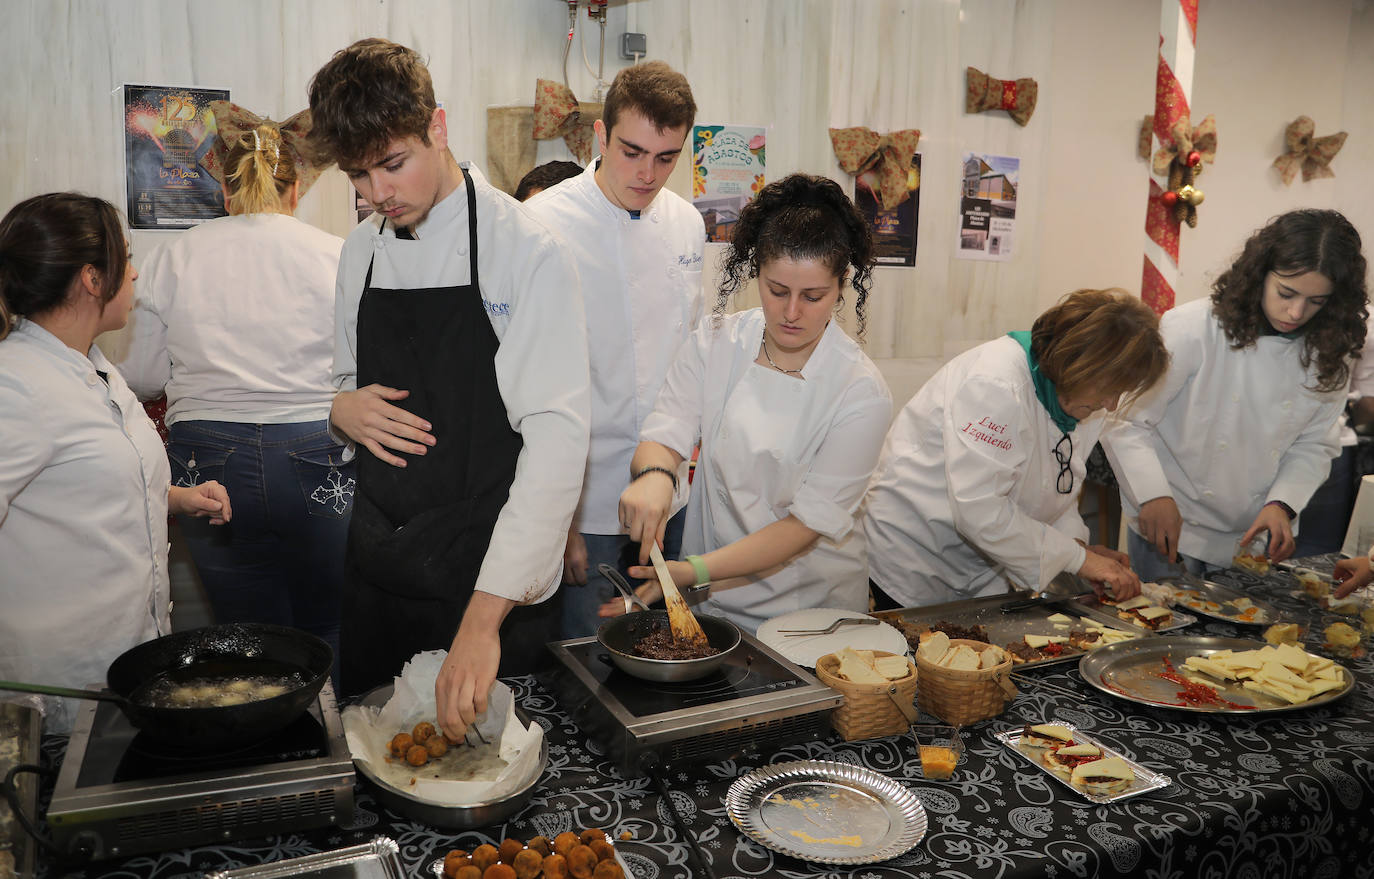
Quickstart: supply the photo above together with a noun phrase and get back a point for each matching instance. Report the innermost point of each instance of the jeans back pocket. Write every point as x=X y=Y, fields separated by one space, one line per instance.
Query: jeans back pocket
x=327 y=482
x=195 y=464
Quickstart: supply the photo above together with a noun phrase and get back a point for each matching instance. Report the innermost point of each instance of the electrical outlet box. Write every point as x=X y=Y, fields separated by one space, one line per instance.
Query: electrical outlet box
x=633 y=46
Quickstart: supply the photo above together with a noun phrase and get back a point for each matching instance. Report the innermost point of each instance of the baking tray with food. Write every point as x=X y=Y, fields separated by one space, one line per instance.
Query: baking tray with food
x=1081 y=763
x=1141 y=612
x=1035 y=632
x=1215 y=675
x=1220 y=602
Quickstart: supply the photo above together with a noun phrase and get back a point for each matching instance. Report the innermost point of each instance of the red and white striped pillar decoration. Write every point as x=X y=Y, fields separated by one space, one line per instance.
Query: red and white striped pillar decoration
x=1173 y=84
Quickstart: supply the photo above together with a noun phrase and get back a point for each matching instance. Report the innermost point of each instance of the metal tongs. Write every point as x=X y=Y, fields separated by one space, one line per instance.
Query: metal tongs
x=623 y=587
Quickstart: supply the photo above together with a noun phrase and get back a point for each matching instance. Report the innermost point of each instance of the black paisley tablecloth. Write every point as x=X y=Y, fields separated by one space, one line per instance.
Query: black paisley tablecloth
x=1286 y=795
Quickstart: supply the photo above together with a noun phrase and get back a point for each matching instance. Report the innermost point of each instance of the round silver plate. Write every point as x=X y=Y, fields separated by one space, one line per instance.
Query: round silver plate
x=826 y=812
x=1130 y=670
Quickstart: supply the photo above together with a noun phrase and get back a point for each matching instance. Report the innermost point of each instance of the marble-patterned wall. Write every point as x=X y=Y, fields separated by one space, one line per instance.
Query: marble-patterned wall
x=798 y=67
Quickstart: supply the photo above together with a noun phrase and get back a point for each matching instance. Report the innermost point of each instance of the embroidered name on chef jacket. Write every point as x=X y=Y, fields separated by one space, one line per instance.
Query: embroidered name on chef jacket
x=988 y=431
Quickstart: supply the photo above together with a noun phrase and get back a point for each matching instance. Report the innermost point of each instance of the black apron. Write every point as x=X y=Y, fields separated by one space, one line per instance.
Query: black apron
x=419 y=533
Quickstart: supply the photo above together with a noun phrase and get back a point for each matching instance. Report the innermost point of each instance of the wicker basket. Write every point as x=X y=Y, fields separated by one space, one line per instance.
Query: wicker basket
x=869 y=711
x=963 y=697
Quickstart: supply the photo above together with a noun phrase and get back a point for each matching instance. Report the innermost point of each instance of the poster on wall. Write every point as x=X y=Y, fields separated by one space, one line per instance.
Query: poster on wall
x=167 y=130
x=987 y=207
x=894 y=231
x=727 y=171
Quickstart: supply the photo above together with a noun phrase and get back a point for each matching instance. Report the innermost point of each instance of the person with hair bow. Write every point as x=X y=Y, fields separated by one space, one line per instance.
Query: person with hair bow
x=790 y=414
x=235 y=323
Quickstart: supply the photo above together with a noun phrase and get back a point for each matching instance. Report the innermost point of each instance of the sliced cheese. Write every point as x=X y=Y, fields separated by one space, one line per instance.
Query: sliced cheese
x=1053 y=731
x=1111 y=767
x=1038 y=641
x=1133 y=603
x=1154 y=613
x=1058 y=618
x=1078 y=750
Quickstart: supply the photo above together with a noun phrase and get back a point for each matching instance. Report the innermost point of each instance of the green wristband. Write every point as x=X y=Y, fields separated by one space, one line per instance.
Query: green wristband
x=699 y=566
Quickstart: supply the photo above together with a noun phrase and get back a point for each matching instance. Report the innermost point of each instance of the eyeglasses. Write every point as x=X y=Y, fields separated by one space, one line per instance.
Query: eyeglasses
x=1064 y=482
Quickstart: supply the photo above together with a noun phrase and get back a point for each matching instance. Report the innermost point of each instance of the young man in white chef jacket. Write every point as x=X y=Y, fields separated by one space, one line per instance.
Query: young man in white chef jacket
x=638 y=249
x=461 y=363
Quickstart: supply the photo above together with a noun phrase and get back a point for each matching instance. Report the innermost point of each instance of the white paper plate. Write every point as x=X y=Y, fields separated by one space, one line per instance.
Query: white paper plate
x=804 y=650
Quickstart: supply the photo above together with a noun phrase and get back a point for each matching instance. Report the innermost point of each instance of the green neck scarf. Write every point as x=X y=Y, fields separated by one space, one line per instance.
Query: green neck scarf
x=1044 y=388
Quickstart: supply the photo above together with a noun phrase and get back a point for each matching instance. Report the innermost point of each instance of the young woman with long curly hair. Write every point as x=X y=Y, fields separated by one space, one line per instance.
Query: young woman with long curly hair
x=1242 y=430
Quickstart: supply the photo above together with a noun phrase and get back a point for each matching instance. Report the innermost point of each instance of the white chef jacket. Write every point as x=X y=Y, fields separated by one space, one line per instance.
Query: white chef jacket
x=964 y=497
x=1225 y=432
x=235 y=319
x=773 y=445
x=83 y=517
x=531 y=294
x=641 y=283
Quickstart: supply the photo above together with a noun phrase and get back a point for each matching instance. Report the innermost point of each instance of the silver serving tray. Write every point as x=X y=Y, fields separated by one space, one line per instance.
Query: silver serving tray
x=1004 y=628
x=378 y=859
x=1220 y=593
x=437 y=867
x=1133 y=674
x=826 y=812
x=1146 y=780
x=1178 y=619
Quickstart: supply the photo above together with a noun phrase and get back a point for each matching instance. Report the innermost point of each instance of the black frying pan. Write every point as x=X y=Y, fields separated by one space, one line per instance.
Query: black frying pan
x=233 y=650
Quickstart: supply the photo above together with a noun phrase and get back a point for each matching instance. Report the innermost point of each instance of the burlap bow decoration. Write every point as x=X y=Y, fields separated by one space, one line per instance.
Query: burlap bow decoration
x=233 y=123
x=1312 y=154
x=557 y=113
x=888 y=155
x=1016 y=96
x=1187 y=140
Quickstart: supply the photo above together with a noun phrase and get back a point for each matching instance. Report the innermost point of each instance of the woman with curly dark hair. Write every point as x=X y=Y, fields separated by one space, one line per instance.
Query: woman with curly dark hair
x=1242 y=431
x=789 y=412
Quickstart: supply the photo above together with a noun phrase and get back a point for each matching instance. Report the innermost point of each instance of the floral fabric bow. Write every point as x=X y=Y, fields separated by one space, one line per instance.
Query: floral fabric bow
x=1016 y=96
x=1186 y=141
x=233 y=122
x=557 y=113
x=887 y=155
x=1312 y=154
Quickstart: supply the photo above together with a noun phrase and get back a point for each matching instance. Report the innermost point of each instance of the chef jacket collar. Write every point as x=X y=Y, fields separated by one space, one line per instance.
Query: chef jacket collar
x=94 y=359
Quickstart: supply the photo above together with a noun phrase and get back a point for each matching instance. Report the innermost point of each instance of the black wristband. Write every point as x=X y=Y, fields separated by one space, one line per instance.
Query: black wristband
x=1292 y=514
x=670 y=474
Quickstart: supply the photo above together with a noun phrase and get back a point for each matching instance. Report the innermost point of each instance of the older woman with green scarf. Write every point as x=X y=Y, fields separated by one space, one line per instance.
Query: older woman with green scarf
x=977 y=487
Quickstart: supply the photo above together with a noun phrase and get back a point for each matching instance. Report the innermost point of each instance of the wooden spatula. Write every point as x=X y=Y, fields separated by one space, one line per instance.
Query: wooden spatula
x=684 y=625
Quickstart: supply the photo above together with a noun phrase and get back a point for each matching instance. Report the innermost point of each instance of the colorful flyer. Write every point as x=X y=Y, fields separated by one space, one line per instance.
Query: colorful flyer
x=167 y=130
x=894 y=231
x=987 y=208
x=727 y=170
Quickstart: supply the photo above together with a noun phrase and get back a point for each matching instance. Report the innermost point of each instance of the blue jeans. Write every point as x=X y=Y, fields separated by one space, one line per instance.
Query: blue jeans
x=1151 y=566
x=281 y=558
x=580 y=603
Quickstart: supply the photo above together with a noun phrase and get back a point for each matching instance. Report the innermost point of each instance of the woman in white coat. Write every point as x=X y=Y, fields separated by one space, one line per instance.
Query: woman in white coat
x=788 y=411
x=1243 y=428
x=84 y=483
x=235 y=322
x=978 y=484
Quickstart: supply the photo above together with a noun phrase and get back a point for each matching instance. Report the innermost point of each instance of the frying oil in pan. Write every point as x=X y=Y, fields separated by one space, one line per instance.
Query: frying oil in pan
x=216 y=685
